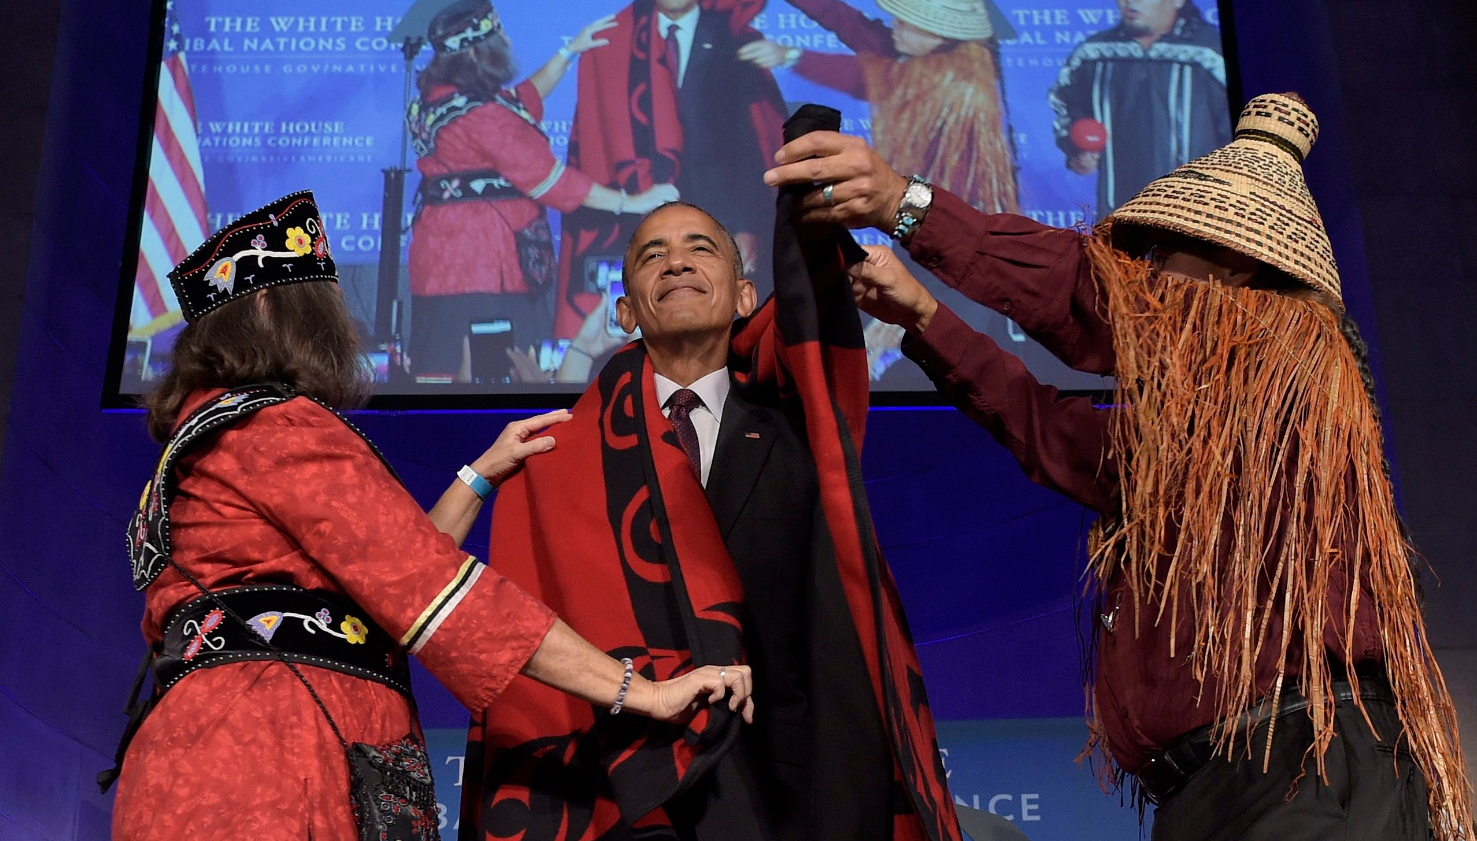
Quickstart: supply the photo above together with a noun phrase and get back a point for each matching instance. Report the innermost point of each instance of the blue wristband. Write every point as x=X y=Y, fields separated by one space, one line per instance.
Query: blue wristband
x=474 y=480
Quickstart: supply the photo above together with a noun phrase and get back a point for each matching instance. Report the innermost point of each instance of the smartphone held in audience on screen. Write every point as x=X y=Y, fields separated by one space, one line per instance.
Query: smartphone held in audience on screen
x=489 y=342
x=599 y=271
x=551 y=354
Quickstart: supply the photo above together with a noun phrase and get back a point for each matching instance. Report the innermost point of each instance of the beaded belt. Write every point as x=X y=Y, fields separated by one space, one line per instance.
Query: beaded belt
x=312 y=628
x=478 y=185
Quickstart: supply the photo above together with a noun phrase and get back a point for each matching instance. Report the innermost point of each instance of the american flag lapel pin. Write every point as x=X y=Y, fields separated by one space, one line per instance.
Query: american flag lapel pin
x=752 y=435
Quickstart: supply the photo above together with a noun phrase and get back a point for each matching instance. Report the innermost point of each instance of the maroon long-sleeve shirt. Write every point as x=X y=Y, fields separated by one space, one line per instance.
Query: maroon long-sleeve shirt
x=1041 y=278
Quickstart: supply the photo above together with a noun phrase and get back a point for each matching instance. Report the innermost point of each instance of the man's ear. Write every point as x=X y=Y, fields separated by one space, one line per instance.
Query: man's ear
x=748 y=298
x=625 y=314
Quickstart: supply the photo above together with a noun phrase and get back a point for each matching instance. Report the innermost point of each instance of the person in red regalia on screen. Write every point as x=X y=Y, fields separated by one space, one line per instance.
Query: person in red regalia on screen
x=481 y=247
x=670 y=101
x=287 y=574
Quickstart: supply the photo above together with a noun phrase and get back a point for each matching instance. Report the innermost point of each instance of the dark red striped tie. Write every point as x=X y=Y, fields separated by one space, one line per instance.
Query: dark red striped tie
x=681 y=404
x=674 y=54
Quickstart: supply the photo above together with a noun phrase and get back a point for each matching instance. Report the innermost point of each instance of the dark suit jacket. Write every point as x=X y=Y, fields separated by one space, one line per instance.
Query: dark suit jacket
x=722 y=165
x=817 y=744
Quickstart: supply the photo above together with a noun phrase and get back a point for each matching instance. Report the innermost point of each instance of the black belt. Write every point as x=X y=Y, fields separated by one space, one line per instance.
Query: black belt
x=476 y=185
x=1165 y=774
x=313 y=628
x=317 y=629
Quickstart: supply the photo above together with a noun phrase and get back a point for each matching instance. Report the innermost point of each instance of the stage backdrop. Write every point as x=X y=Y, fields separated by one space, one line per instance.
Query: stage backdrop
x=987 y=563
x=258 y=101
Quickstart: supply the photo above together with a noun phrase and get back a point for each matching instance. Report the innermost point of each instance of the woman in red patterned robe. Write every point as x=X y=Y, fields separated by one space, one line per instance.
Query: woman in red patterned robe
x=482 y=248
x=292 y=495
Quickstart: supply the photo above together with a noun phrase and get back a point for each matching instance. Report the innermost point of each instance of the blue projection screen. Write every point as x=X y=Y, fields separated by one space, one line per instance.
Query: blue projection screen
x=501 y=254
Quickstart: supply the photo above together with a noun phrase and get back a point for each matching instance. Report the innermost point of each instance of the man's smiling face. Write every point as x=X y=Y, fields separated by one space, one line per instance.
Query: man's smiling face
x=682 y=277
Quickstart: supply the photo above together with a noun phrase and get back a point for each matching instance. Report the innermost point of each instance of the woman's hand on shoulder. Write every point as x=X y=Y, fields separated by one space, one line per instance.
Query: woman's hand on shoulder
x=519 y=441
x=586 y=40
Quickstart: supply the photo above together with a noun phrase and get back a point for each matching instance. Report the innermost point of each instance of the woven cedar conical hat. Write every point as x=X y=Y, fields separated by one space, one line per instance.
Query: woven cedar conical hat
x=1250 y=195
x=958 y=20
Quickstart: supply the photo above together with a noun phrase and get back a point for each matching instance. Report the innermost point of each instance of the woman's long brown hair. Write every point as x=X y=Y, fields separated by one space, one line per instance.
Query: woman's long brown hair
x=479 y=71
x=298 y=334
x=1253 y=475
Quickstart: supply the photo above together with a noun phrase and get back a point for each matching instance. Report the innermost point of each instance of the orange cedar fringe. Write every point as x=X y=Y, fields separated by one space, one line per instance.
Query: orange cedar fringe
x=1230 y=393
x=952 y=98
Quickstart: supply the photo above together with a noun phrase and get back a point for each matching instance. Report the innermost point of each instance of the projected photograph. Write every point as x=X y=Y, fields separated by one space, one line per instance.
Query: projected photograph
x=480 y=166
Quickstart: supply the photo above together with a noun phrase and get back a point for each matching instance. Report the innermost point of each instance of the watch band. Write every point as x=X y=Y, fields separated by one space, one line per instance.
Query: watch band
x=911 y=211
x=474 y=480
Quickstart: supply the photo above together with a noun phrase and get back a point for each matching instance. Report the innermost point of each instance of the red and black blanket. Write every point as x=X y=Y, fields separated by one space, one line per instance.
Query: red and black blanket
x=613 y=531
x=627 y=135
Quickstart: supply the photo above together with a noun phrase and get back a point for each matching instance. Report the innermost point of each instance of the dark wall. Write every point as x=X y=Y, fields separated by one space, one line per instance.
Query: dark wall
x=1409 y=86
x=25 y=65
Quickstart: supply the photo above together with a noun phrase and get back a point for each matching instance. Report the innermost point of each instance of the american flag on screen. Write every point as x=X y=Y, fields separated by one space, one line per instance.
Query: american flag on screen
x=174 y=207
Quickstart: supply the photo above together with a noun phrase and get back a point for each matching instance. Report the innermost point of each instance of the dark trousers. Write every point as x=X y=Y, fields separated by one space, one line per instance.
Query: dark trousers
x=1372 y=792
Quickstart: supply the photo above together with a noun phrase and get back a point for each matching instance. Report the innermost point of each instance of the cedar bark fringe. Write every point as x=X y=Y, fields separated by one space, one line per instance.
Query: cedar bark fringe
x=1250 y=456
x=952 y=98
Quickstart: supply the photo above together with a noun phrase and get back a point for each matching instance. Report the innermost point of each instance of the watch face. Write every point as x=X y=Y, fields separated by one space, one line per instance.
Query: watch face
x=918 y=195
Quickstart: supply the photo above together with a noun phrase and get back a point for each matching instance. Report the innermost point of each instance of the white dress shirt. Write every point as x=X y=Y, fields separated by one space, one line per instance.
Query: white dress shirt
x=713 y=391
x=686 y=32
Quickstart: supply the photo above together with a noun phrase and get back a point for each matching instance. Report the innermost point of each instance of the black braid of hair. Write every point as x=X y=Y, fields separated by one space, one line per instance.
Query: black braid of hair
x=1360 y=349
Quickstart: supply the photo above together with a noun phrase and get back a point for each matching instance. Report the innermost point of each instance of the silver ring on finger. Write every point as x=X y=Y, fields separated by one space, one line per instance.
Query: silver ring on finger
x=722 y=673
x=826 y=194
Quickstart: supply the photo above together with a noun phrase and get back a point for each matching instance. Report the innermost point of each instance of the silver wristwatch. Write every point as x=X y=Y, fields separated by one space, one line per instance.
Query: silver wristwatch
x=917 y=199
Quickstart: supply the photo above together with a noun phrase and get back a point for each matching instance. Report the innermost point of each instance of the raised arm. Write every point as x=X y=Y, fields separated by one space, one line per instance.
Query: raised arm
x=1060 y=443
x=857 y=31
x=458 y=507
x=837 y=71
x=1036 y=275
x=1033 y=274
x=548 y=76
x=522 y=155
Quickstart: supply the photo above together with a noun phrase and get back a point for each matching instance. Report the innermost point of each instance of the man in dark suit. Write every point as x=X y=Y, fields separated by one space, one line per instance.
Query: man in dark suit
x=723 y=157
x=816 y=763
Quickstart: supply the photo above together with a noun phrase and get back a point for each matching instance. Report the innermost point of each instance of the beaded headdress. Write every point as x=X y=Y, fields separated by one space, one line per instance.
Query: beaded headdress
x=278 y=243
x=480 y=22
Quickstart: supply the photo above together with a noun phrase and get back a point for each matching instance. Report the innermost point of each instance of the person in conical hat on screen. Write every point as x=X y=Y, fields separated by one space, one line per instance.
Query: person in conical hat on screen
x=271 y=522
x=1261 y=664
x=934 y=73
